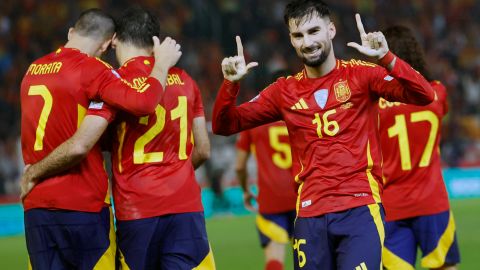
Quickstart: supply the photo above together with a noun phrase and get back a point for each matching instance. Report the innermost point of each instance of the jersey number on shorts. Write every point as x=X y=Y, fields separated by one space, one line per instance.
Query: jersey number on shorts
x=302 y=258
x=41 y=90
x=399 y=129
x=180 y=112
x=282 y=157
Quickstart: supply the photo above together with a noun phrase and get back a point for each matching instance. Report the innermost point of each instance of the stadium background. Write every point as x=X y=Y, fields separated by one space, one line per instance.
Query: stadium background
x=448 y=30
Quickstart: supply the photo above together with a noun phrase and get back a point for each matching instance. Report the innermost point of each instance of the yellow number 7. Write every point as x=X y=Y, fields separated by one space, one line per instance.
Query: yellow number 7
x=41 y=90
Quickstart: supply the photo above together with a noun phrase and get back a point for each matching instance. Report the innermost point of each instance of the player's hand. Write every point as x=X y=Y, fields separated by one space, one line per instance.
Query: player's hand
x=167 y=53
x=26 y=183
x=248 y=198
x=235 y=68
x=374 y=44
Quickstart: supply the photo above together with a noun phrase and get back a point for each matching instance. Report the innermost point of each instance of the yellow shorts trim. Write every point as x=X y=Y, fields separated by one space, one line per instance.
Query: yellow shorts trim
x=272 y=230
x=436 y=258
x=208 y=262
x=394 y=262
x=107 y=261
x=377 y=218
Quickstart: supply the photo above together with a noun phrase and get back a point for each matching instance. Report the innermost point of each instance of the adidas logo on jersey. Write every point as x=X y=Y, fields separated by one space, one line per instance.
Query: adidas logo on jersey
x=300 y=105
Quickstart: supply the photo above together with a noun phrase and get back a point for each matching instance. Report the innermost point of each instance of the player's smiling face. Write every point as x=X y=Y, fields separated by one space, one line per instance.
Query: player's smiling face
x=311 y=36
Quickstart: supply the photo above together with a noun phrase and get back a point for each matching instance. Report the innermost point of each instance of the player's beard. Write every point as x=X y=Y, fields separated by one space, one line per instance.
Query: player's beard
x=319 y=60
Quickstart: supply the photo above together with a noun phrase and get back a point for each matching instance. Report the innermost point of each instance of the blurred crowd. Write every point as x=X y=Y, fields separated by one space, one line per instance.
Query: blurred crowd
x=448 y=29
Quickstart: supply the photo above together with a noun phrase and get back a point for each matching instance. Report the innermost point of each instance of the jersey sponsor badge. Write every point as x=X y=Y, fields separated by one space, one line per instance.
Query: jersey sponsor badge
x=95 y=105
x=342 y=91
x=321 y=97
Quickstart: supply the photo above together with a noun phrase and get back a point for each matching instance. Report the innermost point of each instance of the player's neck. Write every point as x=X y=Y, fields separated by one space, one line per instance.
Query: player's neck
x=323 y=69
x=129 y=52
x=85 y=45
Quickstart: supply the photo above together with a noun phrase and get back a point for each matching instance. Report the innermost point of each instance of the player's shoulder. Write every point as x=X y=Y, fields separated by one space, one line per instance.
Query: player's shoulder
x=292 y=77
x=440 y=89
x=137 y=67
x=180 y=72
x=355 y=64
x=52 y=63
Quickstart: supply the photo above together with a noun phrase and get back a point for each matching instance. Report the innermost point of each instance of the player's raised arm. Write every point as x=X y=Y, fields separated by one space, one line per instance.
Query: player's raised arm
x=402 y=83
x=141 y=100
x=235 y=68
x=166 y=55
x=373 y=43
x=227 y=118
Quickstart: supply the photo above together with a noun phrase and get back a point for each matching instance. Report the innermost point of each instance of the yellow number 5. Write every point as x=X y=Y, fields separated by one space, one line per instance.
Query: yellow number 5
x=41 y=90
x=282 y=161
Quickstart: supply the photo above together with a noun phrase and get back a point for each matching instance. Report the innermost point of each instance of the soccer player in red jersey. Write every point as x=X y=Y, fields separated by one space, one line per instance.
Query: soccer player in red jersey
x=67 y=219
x=415 y=198
x=276 y=187
x=160 y=220
x=330 y=109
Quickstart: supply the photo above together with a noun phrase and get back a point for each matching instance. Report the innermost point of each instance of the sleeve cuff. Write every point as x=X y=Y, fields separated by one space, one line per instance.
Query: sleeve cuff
x=232 y=88
x=387 y=59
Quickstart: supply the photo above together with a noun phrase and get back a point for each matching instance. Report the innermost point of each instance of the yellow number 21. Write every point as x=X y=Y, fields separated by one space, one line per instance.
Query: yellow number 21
x=41 y=90
x=179 y=112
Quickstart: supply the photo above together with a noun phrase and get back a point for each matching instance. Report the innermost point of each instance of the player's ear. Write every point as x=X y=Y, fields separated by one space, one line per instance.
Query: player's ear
x=332 y=31
x=114 y=40
x=70 y=33
x=105 y=45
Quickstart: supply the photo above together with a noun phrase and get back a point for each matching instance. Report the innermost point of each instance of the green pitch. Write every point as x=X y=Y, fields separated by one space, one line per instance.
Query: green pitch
x=235 y=243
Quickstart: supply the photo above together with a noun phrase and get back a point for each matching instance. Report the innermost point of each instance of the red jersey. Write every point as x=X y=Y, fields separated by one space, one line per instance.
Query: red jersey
x=332 y=123
x=276 y=191
x=55 y=93
x=410 y=137
x=153 y=173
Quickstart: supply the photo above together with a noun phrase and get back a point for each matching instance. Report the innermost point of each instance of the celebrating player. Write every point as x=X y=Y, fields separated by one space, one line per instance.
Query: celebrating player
x=67 y=219
x=276 y=187
x=160 y=221
x=334 y=131
x=415 y=198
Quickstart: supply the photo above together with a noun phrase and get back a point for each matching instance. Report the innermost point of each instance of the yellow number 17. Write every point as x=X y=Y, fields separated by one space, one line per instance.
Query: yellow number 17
x=400 y=129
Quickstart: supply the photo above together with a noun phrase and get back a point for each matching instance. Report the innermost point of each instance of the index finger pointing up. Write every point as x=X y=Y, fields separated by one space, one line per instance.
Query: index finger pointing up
x=360 y=24
x=239 y=46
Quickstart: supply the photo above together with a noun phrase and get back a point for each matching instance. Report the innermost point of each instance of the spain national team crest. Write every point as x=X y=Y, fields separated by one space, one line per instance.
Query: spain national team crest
x=321 y=97
x=342 y=91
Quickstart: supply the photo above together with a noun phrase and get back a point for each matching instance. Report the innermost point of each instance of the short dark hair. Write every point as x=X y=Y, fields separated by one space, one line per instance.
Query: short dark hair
x=299 y=9
x=137 y=26
x=95 y=23
x=403 y=43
